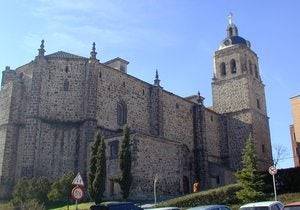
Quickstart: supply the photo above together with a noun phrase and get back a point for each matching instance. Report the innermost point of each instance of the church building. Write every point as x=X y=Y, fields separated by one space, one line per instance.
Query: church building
x=52 y=108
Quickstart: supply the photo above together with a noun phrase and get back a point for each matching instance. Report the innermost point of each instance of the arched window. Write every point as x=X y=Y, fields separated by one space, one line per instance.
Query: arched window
x=223 y=69
x=233 y=66
x=256 y=71
x=66 y=85
x=121 y=113
x=230 y=31
x=250 y=68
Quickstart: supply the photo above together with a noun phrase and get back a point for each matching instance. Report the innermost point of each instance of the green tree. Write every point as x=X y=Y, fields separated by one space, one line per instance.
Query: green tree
x=61 y=189
x=93 y=166
x=100 y=174
x=249 y=178
x=125 y=165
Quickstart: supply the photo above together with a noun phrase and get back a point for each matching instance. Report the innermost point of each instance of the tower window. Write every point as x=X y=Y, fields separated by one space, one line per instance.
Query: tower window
x=121 y=113
x=263 y=148
x=66 y=85
x=223 y=69
x=233 y=66
x=258 y=103
x=250 y=68
x=256 y=71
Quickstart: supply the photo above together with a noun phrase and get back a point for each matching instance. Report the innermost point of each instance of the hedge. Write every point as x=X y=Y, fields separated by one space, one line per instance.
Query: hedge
x=223 y=195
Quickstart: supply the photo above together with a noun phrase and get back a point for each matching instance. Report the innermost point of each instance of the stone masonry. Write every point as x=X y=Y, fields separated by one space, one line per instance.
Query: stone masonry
x=52 y=107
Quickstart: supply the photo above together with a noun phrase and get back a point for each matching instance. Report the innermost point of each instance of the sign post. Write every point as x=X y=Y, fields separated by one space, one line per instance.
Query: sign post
x=155 y=181
x=77 y=192
x=273 y=171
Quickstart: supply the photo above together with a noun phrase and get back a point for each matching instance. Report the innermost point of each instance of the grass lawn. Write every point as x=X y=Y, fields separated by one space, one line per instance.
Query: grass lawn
x=81 y=206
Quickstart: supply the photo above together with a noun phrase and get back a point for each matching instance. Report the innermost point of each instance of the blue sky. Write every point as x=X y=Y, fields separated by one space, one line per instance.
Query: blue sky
x=176 y=37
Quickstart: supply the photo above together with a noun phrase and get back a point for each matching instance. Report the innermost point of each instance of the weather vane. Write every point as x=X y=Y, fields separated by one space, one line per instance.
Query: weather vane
x=230 y=18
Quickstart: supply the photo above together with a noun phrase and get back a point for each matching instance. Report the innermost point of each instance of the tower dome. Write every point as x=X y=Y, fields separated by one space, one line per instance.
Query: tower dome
x=233 y=37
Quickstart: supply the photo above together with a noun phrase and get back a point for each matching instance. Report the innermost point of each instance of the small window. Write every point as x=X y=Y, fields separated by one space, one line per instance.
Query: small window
x=223 y=69
x=250 y=68
x=66 y=85
x=123 y=84
x=258 y=103
x=143 y=92
x=211 y=118
x=66 y=69
x=177 y=106
x=263 y=148
x=218 y=180
x=256 y=71
x=233 y=66
x=100 y=74
x=114 y=149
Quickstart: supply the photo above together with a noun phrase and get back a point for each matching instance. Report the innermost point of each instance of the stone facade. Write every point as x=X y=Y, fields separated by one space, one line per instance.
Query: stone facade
x=52 y=107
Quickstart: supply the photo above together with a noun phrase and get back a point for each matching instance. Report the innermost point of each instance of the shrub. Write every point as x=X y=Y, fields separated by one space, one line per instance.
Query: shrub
x=31 y=189
x=222 y=195
x=61 y=189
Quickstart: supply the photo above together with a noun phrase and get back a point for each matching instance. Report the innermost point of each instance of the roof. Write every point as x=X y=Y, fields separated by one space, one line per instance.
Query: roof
x=297 y=96
x=62 y=54
x=117 y=59
x=264 y=203
x=207 y=207
x=234 y=40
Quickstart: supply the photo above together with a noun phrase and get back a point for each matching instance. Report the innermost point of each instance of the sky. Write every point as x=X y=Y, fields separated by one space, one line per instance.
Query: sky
x=176 y=37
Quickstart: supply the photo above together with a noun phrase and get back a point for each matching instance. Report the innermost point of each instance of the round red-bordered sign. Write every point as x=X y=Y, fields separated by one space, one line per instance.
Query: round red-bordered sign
x=273 y=170
x=77 y=193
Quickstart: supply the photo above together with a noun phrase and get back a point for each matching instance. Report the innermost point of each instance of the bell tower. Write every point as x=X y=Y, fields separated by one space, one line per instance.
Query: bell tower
x=238 y=94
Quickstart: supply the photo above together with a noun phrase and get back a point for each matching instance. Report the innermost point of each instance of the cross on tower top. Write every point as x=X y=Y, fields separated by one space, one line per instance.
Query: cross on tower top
x=230 y=18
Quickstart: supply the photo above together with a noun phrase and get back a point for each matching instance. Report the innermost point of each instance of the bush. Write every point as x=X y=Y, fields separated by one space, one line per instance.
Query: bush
x=61 y=189
x=222 y=195
x=31 y=189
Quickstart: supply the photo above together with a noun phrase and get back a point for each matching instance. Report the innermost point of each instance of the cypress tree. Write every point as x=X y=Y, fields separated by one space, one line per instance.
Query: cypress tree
x=125 y=165
x=93 y=165
x=100 y=175
x=249 y=178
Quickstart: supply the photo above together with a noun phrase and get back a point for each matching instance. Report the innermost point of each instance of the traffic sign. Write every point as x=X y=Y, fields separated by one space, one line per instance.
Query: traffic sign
x=78 y=180
x=272 y=170
x=77 y=193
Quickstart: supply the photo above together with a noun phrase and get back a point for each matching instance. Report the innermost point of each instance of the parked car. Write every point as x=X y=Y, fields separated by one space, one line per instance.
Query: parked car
x=164 y=208
x=210 y=207
x=292 y=206
x=266 y=205
x=115 y=206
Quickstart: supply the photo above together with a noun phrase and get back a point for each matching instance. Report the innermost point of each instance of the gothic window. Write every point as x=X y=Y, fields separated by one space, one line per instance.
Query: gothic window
x=233 y=66
x=258 y=103
x=250 y=68
x=66 y=69
x=223 y=69
x=256 y=71
x=121 y=113
x=66 y=85
x=114 y=149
